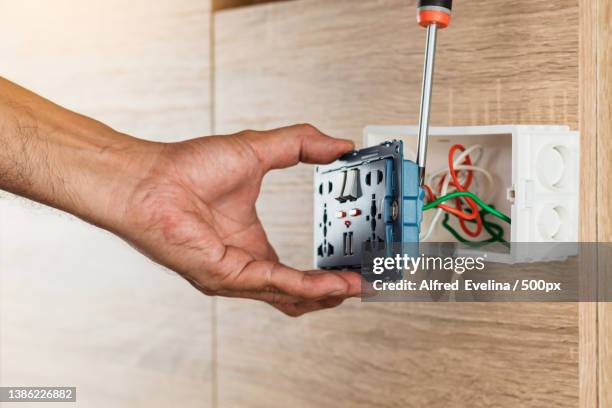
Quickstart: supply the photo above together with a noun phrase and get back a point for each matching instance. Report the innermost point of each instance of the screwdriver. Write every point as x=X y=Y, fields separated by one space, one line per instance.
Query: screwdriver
x=433 y=15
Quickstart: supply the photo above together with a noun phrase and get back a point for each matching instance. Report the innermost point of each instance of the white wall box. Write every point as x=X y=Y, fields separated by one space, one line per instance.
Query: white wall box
x=536 y=176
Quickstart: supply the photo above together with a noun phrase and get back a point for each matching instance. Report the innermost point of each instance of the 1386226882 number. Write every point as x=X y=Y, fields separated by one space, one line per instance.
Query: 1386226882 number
x=38 y=394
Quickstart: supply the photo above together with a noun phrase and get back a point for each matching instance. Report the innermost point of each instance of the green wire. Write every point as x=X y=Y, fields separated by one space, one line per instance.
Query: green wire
x=496 y=231
x=457 y=236
x=481 y=203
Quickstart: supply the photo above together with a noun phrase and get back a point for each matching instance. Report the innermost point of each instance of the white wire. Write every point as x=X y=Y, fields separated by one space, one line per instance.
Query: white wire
x=447 y=180
x=488 y=176
x=459 y=160
x=444 y=190
x=436 y=218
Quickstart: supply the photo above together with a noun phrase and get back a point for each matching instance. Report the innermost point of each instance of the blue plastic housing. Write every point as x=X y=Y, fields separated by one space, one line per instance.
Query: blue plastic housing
x=413 y=197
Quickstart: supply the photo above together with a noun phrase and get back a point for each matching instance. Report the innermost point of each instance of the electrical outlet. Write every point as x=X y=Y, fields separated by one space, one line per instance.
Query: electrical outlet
x=367 y=197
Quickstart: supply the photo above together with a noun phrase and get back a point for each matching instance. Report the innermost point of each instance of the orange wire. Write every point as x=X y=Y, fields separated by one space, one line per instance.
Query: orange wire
x=463 y=188
x=462 y=215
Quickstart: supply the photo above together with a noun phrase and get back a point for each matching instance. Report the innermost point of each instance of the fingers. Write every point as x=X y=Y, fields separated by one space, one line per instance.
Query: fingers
x=262 y=275
x=286 y=147
x=301 y=308
x=271 y=297
x=238 y=274
x=237 y=269
x=289 y=305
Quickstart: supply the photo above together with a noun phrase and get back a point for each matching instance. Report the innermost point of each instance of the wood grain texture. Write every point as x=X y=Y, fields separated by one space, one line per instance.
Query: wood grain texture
x=605 y=353
x=604 y=114
x=604 y=213
x=342 y=65
x=144 y=70
x=588 y=119
x=78 y=306
x=588 y=354
x=588 y=324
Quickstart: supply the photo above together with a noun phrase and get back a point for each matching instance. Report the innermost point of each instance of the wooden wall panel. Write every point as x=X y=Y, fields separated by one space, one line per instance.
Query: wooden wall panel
x=596 y=130
x=79 y=307
x=588 y=312
x=604 y=183
x=604 y=116
x=342 y=65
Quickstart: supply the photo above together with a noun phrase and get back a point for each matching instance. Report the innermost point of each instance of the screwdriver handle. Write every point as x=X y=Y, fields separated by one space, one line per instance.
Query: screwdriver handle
x=436 y=12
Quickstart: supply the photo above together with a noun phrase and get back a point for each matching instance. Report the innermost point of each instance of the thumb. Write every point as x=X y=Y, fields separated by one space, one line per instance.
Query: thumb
x=286 y=147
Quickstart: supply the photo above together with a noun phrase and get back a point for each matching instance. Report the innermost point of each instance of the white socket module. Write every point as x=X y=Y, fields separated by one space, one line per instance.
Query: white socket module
x=536 y=171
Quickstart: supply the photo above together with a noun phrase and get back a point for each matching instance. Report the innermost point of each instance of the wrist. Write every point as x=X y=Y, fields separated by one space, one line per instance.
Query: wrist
x=102 y=173
x=66 y=160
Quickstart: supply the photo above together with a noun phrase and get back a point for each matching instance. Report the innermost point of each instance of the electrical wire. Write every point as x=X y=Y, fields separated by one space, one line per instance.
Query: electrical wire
x=468 y=152
x=491 y=210
x=488 y=193
x=460 y=176
x=445 y=185
x=496 y=232
x=452 y=210
x=464 y=187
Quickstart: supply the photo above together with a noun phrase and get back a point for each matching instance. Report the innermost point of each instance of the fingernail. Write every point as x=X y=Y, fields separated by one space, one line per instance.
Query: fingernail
x=349 y=141
x=338 y=293
x=347 y=146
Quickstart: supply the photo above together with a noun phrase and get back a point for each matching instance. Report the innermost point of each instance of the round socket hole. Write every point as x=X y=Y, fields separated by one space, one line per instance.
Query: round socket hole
x=553 y=223
x=553 y=166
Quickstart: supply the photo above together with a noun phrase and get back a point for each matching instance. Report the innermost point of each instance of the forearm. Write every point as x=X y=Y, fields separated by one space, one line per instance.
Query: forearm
x=63 y=159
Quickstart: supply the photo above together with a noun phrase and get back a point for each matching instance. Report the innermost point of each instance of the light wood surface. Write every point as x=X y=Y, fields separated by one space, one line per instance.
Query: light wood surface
x=588 y=324
x=342 y=65
x=596 y=130
x=604 y=159
x=605 y=352
x=604 y=113
x=79 y=307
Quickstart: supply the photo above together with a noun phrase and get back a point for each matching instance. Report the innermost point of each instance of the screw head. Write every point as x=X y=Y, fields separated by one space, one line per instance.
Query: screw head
x=394 y=210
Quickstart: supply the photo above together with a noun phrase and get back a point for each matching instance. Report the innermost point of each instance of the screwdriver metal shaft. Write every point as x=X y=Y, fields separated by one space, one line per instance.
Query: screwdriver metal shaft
x=433 y=15
x=426 y=91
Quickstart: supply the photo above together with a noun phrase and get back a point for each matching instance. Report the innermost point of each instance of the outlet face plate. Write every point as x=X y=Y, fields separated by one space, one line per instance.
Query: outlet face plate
x=349 y=216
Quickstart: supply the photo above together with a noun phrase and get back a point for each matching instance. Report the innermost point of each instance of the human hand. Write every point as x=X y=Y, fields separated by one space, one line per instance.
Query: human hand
x=194 y=212
x=189 y=206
